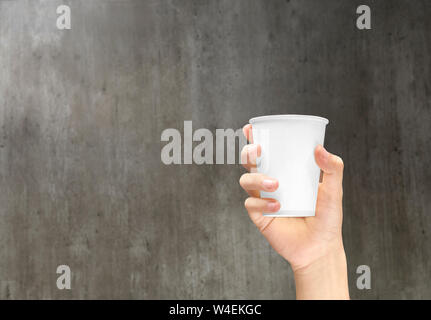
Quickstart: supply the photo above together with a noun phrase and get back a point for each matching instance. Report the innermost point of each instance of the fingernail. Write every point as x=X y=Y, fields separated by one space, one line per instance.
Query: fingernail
x=269 y=184
x=272 y=206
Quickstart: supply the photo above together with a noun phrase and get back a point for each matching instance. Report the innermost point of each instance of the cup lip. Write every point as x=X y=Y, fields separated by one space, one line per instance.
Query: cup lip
x=288 y=117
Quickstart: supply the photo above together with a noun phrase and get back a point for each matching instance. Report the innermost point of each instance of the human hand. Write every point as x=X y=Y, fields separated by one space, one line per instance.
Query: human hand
x=309 y=244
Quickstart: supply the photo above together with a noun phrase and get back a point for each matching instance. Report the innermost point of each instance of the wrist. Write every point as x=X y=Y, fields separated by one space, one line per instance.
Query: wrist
x=325 y=277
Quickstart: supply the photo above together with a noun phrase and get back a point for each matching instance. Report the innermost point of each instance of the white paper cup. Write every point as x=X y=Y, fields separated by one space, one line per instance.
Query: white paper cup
x=287 y=145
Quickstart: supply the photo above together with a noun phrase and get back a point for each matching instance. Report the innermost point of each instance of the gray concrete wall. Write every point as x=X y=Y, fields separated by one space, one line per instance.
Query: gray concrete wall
x=82 y=111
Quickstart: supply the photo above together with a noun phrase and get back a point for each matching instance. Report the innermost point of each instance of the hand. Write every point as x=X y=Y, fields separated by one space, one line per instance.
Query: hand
x=311 y=244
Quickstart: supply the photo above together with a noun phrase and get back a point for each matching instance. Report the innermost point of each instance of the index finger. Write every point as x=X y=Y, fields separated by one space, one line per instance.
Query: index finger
x=247 y=130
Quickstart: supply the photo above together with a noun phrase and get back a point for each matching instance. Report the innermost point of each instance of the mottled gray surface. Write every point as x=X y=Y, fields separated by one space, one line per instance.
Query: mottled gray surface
x=82 y=112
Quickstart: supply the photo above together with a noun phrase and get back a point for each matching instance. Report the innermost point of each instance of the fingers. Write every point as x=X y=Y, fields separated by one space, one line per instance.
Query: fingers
x=332 y=167
x=259 y=205
x=258 y=181
x=256 y=206
x=251 y=151
x=249 y=154
x=248 y=132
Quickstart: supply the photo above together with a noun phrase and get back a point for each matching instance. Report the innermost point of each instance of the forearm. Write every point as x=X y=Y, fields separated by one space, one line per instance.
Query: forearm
x=326 y=278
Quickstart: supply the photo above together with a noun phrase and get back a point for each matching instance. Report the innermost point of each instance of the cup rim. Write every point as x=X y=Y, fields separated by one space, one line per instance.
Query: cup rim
x=288 y=117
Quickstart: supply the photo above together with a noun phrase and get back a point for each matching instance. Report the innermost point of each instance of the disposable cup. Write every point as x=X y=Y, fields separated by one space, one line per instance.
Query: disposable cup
x=287 y=154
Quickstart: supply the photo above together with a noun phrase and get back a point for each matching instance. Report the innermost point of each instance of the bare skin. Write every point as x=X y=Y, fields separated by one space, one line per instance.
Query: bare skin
x=313 y=245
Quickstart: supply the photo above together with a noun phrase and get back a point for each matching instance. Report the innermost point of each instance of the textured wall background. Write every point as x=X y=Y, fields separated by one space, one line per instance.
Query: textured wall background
x=82 y=112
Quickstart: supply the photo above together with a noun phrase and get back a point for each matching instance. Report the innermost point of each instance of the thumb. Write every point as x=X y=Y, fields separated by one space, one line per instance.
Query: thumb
x=332 y=167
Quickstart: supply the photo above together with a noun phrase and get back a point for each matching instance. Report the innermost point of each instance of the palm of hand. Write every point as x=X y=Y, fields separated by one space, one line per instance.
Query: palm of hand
x=303 y=240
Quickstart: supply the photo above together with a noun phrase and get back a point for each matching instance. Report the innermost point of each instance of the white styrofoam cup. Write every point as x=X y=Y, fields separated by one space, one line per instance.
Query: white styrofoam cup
x=287 y=154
